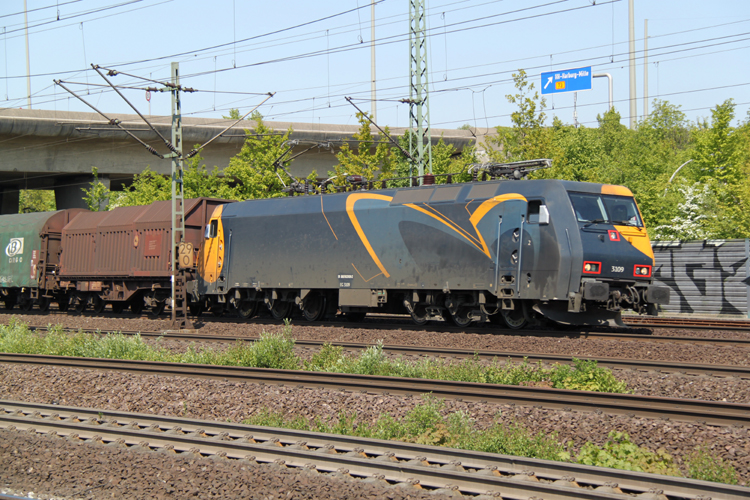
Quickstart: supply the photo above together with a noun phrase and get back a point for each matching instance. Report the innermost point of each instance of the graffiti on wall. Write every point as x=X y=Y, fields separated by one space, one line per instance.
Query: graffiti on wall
x=708 y=277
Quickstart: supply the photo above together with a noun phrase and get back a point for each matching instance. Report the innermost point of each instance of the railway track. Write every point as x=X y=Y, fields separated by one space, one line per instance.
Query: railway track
x=688 y=323
x=381 y=321
x=690 y=410
x=389 y=462
x=742 y=372
x=199 y=337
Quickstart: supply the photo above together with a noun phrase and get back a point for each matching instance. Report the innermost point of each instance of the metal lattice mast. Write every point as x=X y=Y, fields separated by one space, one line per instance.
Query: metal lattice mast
x=420 y=143
x=179 y=298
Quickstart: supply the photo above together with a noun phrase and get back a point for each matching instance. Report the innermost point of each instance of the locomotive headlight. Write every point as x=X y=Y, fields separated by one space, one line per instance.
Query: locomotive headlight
x=642 y=271
x=592 y=267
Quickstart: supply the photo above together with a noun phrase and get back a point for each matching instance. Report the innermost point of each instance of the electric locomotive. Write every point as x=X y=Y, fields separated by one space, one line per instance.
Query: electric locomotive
x=511 y=252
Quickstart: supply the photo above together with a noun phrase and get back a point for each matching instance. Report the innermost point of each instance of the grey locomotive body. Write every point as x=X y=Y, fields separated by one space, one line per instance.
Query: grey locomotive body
x=575 y=253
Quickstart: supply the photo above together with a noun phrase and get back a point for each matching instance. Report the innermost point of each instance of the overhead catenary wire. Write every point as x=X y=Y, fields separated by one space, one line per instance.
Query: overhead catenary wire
x=112 y=121
x=452 y=79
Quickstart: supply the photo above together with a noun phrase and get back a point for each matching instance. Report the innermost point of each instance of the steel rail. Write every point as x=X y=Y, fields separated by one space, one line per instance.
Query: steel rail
x=709 y=412
x=431 y=466
x=688 y=323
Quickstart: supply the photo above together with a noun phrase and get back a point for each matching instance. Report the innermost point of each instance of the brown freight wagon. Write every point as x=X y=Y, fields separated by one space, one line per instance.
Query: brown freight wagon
x=124 y=257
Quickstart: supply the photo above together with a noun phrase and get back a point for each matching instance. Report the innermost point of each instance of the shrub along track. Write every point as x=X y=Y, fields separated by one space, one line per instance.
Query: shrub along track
x=382 y=462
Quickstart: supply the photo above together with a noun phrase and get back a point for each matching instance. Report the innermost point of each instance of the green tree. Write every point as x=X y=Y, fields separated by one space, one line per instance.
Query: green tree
x=36 y=200
x=252 y=170
x=528 y=138
x=717 y=152
x=370 y=159
x=97 y=196
x=445 y=160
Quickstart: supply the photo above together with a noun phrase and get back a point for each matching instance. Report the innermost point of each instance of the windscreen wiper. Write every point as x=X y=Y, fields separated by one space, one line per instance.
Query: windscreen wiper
x=595 y=221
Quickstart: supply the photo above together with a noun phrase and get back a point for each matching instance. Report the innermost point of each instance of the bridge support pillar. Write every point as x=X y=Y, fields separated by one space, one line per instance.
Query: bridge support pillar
x=9 y=200
x=69 y=191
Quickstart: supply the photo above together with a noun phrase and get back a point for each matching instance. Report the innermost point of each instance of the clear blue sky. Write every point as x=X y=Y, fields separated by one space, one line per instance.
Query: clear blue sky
x=474 y=47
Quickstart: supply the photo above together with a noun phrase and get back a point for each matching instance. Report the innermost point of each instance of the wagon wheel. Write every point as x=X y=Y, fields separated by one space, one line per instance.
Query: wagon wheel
x=461 y=318
x=281 y=310
x=514 y=318
x=44 y=303
x=419 y=314
x=81 y=304
x=117 y=307
x=196 y=308
x=157 y=309
x=136 y=306
x=98 y=304
x=26 y=304
x=10 y=302
x=355 y=317
x=63 y=304
x=315 y=307
x=247 y=309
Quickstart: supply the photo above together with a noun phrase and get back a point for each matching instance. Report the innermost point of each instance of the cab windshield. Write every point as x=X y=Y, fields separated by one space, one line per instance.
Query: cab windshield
x=604 y=208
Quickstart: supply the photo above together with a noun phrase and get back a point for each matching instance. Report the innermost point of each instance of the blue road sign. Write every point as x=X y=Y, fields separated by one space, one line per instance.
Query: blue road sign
x=567 y=80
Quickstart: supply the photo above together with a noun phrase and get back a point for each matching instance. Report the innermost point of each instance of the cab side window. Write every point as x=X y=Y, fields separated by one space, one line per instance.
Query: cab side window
x=537 y=212
x=212 y=229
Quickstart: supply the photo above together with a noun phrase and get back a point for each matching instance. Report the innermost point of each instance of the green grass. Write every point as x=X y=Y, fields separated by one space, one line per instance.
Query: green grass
x=277 y=351
x=425 y=424
x=583 y=375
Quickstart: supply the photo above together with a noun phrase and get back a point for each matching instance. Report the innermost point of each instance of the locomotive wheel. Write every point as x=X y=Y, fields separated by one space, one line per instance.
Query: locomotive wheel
x=158 y=308
x=315 y=306
x=281 y=310
x=44 y=304
x=514 y=318
x=247 y=309
x=136 y=306
x=355 y=317
x=419 y=314
x=462 y=318
x=498 y=320
x=98 y=304
x=117 y=307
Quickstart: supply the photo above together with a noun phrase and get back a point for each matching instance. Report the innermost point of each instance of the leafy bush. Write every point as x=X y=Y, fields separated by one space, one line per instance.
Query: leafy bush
x=703 y=464
x=585 y=375
x=621 y=453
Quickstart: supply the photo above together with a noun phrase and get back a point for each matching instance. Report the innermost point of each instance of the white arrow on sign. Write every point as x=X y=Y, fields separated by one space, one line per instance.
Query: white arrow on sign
x=549 y=80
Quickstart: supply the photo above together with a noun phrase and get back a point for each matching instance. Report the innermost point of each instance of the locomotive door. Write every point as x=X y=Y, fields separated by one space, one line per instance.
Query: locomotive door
x=510 y=248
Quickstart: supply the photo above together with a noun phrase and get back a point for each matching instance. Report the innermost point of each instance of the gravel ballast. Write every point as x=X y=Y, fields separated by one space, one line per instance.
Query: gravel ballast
x=218 y=400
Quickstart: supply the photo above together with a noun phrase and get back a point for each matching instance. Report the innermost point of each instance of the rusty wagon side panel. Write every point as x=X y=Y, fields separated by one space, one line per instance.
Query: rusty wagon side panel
x=127 y=251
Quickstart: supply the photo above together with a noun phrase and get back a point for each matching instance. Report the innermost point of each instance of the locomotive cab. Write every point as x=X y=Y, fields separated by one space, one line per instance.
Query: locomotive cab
x=613 y=270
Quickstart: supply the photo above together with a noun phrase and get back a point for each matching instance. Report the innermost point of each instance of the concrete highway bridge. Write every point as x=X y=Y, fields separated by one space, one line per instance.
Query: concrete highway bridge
x=55 y=150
